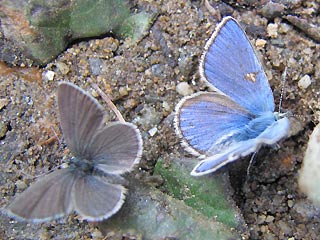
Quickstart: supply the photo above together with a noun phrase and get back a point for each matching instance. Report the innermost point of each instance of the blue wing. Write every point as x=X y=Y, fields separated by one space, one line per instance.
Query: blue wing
x=272 y=134
x=231 y=66
x=203 y=119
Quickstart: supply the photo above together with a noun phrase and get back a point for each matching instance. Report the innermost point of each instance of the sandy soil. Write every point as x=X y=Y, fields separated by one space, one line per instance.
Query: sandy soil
x=142 y=80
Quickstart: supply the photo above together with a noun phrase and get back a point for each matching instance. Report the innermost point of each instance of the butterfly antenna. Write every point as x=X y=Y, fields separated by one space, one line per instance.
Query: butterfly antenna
x=283 y=81
x=36 y=176
x=55 y=134
x=63 y=165
x=109 y=102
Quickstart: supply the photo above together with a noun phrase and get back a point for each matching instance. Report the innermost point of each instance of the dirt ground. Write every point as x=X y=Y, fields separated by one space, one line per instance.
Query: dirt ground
x=142 y=79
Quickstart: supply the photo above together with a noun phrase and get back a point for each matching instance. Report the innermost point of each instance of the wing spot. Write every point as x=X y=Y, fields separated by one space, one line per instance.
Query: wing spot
x=251 y=76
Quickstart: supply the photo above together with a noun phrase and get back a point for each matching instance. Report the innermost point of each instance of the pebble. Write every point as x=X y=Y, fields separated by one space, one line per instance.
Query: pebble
x=3 y=129
x=3 y=103
x=49 y=75
x=123 y=91
x=157 y=70
x=184 y=89
x=130 y=103
x=304 y=82
x=260 y=43
x=153 y=131
x=269 y=218
x=261 y=219
x=166 y=106
x=272 y=10
x=290 y=203
x=285 y=228
x=95 y=65
x=272 y=30
x=149 y=118
x=21 y=185
x=63 y=68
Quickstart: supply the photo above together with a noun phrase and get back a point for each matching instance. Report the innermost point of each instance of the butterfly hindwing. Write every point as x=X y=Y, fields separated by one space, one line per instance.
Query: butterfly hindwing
x=48 y=198
x=95 y=199
x=117 y=147
x=204 y=118
x=269 y=136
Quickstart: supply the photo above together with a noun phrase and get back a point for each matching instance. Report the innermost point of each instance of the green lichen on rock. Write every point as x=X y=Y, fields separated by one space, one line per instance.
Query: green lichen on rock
x=49 y=26
x=151 y=214
x=91 y=18
x=210 y=195
x=136 y=25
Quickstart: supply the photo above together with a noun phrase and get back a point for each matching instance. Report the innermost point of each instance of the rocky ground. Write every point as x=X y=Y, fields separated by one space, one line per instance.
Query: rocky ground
x=146 y=80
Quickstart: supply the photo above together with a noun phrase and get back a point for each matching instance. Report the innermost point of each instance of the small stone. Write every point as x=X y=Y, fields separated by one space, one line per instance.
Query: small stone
x=304 y=82
x=95 y=65
x=166 y=106
x=269 y=218
x=3 y=102
x=63 y=68
x=96 y=234
x=184 y=89
x=123 y=91
x=272 y=10
x=153 y=131
x=130 y=103
x=261 y=219
x=284 y=226
x=260 y=43
x=284 y=28
x=4 y=128
x=149 y=118
x=158 y=69
x=21 y=185
x=263 y=228
x=94 y=93
x=49 y=75
x=272 y=30
x=290 y=203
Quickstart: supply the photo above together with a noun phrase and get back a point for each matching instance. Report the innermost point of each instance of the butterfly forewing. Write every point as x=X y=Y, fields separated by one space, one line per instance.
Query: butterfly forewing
x=231 y=66
x=48 y=198
x=80 y=118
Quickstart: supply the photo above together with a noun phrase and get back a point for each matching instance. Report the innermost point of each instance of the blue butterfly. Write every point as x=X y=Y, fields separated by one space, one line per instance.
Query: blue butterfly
x=238 y=117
